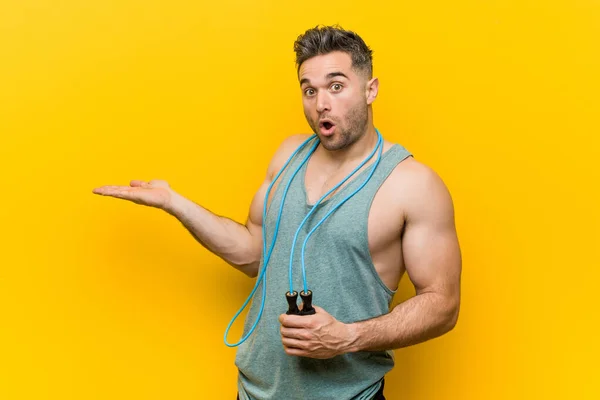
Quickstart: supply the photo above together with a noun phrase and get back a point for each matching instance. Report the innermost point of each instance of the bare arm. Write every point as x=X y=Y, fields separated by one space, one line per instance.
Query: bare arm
x=239 y=245
x=235 y=243
x=231 y=241
x=433 y=262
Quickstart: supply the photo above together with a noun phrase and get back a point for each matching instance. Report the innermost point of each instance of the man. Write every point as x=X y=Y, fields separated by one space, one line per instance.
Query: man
x=400 y=220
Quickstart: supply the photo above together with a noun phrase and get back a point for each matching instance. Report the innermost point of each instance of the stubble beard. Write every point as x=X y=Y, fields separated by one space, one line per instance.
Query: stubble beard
x=352 y=128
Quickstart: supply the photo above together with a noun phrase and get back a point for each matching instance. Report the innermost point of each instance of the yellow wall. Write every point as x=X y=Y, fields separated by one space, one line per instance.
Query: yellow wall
x=103 y=299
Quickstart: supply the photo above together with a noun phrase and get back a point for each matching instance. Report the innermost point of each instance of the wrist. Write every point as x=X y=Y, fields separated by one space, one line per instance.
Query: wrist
x=175 y=205
x=352 y=338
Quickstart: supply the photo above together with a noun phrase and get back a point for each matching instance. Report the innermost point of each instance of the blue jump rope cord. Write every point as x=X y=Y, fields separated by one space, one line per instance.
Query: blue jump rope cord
x=379 y=141
x=268 y=254
x=336 y=207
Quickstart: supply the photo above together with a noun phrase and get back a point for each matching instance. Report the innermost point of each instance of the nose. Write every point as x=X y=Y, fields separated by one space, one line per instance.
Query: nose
x=323 y=103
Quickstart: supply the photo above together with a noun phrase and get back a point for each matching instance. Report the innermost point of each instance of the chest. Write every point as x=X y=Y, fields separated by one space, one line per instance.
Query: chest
x=378 y=213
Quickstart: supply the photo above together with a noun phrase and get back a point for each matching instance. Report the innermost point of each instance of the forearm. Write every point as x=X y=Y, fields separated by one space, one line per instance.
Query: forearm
x=222 y=236
x=418 y=319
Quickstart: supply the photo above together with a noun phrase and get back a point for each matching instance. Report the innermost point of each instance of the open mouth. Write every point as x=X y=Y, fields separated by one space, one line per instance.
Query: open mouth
x=326 y=127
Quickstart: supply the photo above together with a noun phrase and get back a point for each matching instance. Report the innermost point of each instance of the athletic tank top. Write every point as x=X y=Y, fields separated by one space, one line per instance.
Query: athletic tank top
x=342 y=277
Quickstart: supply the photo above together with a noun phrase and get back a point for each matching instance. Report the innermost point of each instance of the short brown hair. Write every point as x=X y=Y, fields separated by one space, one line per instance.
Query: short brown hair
x=326 y=39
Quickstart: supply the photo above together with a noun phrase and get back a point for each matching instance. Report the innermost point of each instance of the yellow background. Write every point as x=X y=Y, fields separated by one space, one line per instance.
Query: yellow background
x=104 y=299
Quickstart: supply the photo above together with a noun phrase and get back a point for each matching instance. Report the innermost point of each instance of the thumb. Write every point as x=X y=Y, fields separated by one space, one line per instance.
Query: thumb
x=137 y=183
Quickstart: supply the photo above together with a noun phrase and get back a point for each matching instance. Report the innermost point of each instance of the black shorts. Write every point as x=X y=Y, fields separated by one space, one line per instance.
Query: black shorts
x=378 y=395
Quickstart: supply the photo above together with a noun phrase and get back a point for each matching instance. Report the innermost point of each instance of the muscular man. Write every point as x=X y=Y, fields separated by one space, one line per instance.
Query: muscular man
x=400 y=220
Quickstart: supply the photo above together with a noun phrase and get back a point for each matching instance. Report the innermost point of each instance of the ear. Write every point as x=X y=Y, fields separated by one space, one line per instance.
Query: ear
x=371 y=90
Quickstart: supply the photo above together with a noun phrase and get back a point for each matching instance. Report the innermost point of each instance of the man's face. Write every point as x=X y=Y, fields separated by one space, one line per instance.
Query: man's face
x=335 y=99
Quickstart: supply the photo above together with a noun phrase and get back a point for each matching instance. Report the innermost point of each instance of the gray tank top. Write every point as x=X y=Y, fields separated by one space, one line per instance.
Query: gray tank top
x=341 y=275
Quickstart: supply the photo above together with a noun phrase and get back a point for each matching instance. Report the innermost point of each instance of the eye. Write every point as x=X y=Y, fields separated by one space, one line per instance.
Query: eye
x=309 y=91
x=336 y=87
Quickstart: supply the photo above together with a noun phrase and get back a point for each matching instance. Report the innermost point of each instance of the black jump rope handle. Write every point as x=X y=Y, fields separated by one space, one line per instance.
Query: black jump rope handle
x=307 y=308
x=292 y=306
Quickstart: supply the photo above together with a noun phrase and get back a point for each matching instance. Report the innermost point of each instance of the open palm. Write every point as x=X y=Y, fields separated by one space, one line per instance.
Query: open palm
x=156 y=193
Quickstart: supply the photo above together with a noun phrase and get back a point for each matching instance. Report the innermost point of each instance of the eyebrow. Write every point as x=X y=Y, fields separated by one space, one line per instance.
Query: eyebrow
x=328 y=77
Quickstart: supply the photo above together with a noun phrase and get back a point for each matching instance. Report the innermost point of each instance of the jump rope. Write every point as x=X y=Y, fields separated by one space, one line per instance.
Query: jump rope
x=306 y=294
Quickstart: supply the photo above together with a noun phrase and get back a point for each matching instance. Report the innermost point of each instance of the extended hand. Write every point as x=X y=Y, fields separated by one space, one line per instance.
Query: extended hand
x=155 y=193
x=316 y=336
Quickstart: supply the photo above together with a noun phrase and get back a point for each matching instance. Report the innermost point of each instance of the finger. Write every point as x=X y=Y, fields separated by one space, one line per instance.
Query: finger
x=122 y=192
x=294 y=333
x=106 y=189
x=294 y=321
x=294 y=343
x=294 y=352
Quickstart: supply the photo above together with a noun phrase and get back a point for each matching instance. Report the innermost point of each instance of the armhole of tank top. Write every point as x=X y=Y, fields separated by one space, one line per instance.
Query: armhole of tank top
x=365 y=230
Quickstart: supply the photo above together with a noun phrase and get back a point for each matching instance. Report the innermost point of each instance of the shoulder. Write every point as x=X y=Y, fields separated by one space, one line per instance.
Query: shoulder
x=291 y=143
x=420 y=191
x=285 y=150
